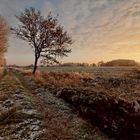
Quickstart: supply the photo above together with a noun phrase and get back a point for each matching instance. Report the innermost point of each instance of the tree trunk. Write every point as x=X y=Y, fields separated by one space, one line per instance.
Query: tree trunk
x=35 y=65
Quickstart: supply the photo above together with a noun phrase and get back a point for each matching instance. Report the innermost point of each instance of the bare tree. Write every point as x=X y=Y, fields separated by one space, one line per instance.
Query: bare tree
x=45 y=35
x=3 y=36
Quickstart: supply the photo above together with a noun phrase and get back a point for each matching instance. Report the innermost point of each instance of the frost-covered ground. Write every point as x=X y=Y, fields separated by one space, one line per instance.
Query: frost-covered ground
x=30 y=112
x=109 y=99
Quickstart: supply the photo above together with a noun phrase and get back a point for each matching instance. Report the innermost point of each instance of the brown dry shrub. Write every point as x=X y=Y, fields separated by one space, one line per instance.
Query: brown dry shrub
x=67 y=79
x=62 y=79
x=3 y=35
x=37 y=77
x=9 y=78
x=3 y=42
x=58 y=79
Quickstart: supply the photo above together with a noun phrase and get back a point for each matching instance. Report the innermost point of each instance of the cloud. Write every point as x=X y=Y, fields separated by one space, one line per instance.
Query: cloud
x=94 y=22
x=95 y=25
x=17 y=48
x=9 y=9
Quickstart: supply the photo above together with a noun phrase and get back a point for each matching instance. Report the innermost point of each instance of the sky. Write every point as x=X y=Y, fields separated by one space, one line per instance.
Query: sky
x=101 y=29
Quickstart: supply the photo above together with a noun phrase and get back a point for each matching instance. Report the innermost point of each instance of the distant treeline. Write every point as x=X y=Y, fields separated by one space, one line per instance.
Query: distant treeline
x=76 y=64
x=119 y=62
x=112 y=63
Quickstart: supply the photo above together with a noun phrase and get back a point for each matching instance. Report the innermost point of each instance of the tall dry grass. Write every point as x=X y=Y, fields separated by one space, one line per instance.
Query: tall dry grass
x=58 y=79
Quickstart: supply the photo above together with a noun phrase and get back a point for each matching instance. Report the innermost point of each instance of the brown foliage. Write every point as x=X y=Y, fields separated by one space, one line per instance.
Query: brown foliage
x=58 y=79
x=3 y=35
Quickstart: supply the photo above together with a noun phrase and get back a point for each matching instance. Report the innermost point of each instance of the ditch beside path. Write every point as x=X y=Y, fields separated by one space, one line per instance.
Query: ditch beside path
x=28 y=112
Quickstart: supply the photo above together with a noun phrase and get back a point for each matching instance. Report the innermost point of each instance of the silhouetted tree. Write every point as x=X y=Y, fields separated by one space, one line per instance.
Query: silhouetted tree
x=45 y=35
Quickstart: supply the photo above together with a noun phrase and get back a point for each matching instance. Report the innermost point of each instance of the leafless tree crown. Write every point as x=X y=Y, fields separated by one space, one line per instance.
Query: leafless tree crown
x=45 y=35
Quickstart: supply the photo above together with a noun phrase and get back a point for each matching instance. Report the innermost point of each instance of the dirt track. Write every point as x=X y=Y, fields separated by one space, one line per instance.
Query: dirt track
x=28 y=112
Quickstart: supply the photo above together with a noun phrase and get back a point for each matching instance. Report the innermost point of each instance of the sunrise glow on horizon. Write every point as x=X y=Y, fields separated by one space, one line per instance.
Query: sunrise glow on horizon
x=101 y=29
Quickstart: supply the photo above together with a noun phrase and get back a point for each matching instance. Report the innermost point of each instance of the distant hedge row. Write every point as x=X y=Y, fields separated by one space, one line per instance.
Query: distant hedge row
x=120 y=62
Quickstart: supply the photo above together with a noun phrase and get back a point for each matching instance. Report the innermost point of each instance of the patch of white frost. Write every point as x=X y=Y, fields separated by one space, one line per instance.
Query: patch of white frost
x=136 y=106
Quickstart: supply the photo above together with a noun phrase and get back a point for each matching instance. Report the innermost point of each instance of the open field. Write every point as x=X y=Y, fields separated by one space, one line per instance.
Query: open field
x=98 y=71
x=108 y=98
x=88 y=69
